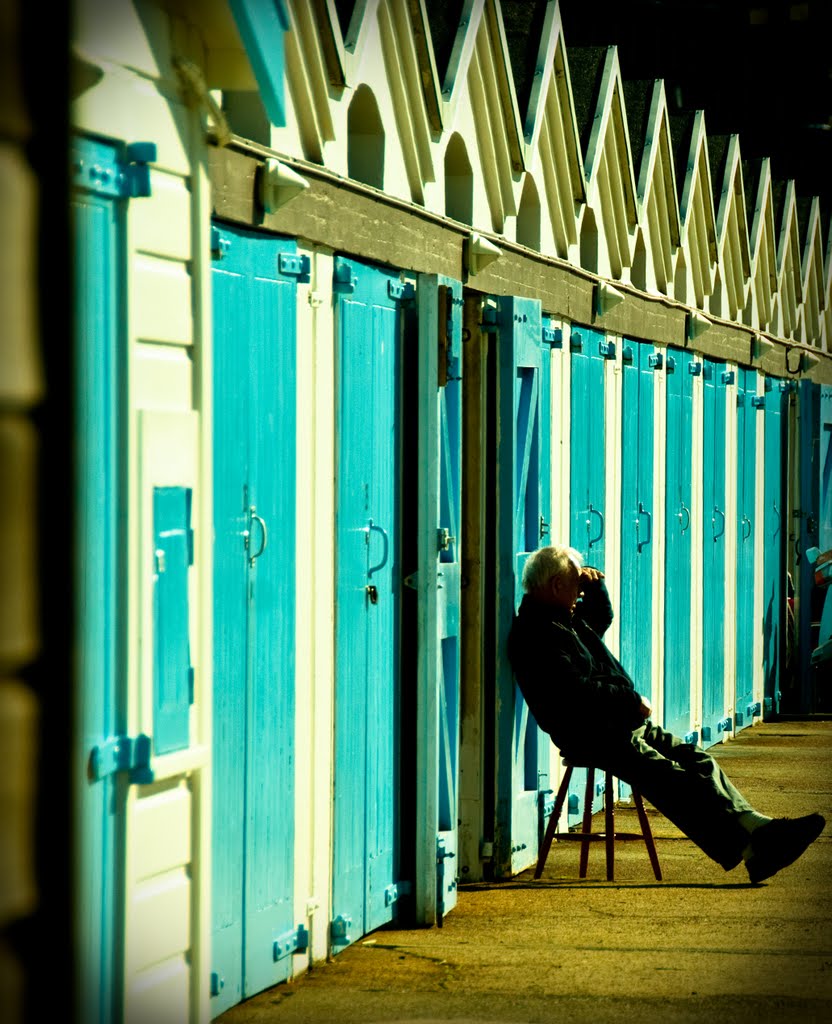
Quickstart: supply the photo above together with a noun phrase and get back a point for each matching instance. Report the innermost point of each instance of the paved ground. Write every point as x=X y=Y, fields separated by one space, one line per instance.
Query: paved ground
x=700 y=946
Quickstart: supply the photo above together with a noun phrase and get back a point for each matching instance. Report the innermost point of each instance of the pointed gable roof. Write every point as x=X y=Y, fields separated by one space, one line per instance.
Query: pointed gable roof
x=696 y=206
x=813 y=293
x=652 y=147
x=760 y=208
x=731 y=223
x=479 y=70
x=608 y=166
x=552 y=141
x=790 y=278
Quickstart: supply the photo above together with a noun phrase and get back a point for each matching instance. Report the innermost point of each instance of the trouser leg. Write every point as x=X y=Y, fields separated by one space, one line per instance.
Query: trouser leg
x=687 y=786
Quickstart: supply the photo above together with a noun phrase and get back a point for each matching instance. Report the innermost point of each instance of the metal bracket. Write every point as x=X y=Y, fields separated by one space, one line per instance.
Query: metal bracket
x=655 y=361
x=339 y=930
x=343 y=279
x=606 y=349
x=219 y=244
x=576 y=341
x=122 y=754
x=292 y=264
x=553 y=336
x=692 y=737
x=754 y=710
x=695 y=369
x=725 y=725
x=400 y=290
x=296 y=941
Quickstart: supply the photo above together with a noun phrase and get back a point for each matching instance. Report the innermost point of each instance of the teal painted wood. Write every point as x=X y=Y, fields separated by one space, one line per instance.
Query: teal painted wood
x=774 y=546
x=636 y=605
x=438 y=588
x=587 y=446
x=172 y=556
x=678 y=548
x=746 y=526
x=254 y=612
x=587 y=479
x=808 y=535
x=262 y=24
x=714 y=561
x=825 y=518
x=522 y=492
x=98 y=289
x=368 y=339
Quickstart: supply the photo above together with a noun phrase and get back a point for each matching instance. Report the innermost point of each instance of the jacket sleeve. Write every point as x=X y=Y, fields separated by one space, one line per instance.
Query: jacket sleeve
x=595 y=607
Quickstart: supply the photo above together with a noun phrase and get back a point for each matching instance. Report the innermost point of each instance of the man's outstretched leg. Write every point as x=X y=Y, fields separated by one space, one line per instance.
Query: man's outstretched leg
x=687 y=785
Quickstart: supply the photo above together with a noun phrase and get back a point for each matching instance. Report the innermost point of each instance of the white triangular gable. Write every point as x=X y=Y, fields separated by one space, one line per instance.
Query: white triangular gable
x=813 y=296
x=315 y=60
x=493 y=106
x=696 y=211
x=658 y=203
x=763 y=253
x=732 y=239
x=827 y=292
x=553 y=148
x=790 y=278
x=611 y=189
x=404 y=74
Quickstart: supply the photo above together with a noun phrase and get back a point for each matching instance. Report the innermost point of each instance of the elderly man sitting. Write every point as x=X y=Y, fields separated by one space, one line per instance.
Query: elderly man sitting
x=581 y=695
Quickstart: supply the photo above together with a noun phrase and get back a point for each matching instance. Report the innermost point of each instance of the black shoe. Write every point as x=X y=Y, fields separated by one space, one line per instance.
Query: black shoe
x=780 y=842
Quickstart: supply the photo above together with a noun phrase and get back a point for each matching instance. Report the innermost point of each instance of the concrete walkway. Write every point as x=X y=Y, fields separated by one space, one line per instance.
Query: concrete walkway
x=700 y=946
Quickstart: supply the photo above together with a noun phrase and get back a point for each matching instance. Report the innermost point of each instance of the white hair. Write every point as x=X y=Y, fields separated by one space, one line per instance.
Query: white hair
x=546 y=564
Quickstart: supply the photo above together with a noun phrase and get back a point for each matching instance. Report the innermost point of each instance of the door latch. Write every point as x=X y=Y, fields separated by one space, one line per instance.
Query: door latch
x=372 y=593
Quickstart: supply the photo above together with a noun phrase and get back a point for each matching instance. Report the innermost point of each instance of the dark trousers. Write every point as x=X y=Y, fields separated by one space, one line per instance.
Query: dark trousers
x=680 y=780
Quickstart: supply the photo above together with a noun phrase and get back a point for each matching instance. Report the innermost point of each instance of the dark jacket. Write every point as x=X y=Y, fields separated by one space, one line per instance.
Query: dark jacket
x=568 y=677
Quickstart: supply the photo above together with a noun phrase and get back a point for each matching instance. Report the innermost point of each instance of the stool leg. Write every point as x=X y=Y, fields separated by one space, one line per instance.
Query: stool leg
x=552 y=826
x=609 y=815
x=647 y=832
x=586 y=828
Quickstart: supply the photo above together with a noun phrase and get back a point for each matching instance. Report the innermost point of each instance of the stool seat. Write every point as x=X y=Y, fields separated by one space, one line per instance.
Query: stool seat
x=586 y=835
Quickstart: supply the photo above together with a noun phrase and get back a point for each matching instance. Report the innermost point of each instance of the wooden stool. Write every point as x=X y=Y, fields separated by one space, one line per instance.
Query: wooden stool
x=587 y=836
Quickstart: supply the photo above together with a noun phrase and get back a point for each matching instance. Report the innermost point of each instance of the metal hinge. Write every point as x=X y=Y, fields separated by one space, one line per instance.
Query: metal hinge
x=655 y=361
x=576 y=341
x=343 y=279
x=401 y=290
x=754 y=710
x=217 y=983
x=95 y=166
x=296 y=941
x=606 y=349
x=122 y=754
x=339 y=930
x=292 y=264
x=727 y=377
x=692 y=737
x=219 y=244
x=758 y=401
x=444 y=539
x=725 y=725
x=553 y=336
x=695 y=369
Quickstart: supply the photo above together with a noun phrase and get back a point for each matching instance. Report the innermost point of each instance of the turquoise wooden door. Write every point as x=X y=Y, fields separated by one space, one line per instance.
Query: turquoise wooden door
x=639 y=364
x=522 y=524
x=747 y=411
x=714 y=720
x=774 y=546
x=368 y=341
x=98 y=227
x=807 y=535
x=678 y=548
x=254 y=290
x=587 y=480
x=437 y=582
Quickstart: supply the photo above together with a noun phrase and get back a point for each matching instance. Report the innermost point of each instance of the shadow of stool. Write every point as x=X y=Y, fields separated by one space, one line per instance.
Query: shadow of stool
x=587 y=836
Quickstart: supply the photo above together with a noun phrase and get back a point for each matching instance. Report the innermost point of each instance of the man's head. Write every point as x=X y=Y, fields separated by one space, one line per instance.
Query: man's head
x=553 y=575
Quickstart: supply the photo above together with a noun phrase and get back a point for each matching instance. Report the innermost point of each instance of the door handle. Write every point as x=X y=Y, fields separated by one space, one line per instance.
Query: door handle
x=370 y=528
x=264 y=538
x=746 y=522
x=683 y=511
x=713 y=522
x=594 y=511
x=642 y=511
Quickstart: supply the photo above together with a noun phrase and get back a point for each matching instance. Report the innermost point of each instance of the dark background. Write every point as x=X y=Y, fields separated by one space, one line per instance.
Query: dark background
x=760 y=69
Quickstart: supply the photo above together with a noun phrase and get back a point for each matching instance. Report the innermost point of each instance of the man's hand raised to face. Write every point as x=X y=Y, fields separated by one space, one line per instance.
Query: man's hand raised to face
x=589 y=574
